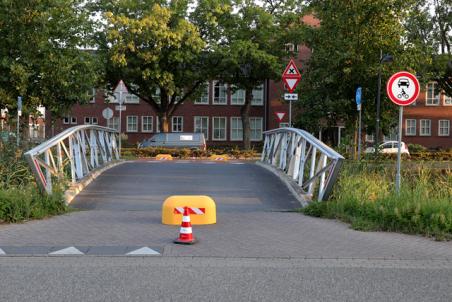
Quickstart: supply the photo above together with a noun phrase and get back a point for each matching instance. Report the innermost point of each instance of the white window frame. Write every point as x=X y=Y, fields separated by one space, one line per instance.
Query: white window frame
x=130 y=98
x=113 y=122
x=143 y=123
x=204 y=97
x=222 y=88
x=440 y=128
x=66 y=120
x=238 y=97
x=408 y=127
x=225 y=128
x=436 y=98
x=181 y=119
x=261 y=128
x=73 y=120
x=127 y=123
x=87 y=120
x=239 y=128
x=447 y=100
x=196 y=130
x=157 y=124
x=259 y=90
x=91 y=120
x=92 y=100
x=421 y=128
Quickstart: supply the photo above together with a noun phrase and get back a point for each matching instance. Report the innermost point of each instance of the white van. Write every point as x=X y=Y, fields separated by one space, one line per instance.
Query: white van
x=194 y=141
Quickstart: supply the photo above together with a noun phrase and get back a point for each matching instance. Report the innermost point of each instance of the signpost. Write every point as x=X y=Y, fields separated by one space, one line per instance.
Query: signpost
x=358 y=103
x=120 y=88
x=403 y=89
x=19 y=114
x=291 y=77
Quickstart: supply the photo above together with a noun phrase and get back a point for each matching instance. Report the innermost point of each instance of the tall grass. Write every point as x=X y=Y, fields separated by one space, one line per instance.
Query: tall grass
x=20 y=198
x=365 y=197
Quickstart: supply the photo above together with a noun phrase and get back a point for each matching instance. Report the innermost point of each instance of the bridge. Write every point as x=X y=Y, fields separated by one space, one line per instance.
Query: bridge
x=259 y=239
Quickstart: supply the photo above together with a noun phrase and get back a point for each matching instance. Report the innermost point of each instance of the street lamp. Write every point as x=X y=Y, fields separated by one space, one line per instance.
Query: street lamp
x=383 y=59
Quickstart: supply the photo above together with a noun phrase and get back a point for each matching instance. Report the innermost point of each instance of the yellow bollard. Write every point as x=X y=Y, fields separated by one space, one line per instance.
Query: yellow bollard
x=164 y=157
x=223 y=157
x=202 y=209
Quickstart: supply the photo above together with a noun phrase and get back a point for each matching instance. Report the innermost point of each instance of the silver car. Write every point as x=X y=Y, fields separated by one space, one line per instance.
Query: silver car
x=194 y=141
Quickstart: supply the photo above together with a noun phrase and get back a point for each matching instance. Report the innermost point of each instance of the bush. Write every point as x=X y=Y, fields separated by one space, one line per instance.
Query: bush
x=14 y=170
x=19 y=204
x=416 y=148
x=187 y=153
x=364 y=197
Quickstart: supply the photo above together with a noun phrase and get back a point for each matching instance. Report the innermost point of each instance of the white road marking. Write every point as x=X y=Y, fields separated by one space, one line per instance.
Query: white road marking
x=2 y=252
x=67 y=251
x=143 y=251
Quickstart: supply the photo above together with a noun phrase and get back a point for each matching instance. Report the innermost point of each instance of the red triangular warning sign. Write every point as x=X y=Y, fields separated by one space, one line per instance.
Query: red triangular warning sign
x=291 y=71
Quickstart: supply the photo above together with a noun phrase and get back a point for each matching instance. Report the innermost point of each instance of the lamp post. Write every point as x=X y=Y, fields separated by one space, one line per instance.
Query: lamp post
x=383 y=59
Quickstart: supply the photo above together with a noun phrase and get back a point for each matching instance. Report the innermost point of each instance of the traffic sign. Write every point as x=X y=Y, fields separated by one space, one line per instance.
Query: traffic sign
x=291 y=96
x=121 y=87
x=280 y=116
x=107 y=113
x=403 y=88
x=291 y=76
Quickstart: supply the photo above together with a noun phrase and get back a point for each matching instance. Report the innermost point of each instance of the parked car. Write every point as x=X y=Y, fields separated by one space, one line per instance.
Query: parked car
x=389 y=147
x=194 y=141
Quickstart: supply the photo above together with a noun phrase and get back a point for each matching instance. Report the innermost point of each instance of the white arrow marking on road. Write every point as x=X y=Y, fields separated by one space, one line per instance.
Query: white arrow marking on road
x=67 y=251
x=2 y=252
x=143 y=251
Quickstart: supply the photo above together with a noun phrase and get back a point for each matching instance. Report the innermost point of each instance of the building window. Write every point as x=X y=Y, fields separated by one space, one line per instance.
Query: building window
x=236 y=129
x=219 y=129
x=66 y=120
x=146 y=123
x=410 y=127
x=369 y=138
x=132 y=123
x=204 y=97
x=202 y=125
x=444 y=128
x=131 y=98
x=73 y=120
x=92 y=95
x=432 y=97
x=447 y=100
x=256 y=128
x=290 y=47
x=156 y=96
x=219 y=93
x=177 y=124
x=426 y=128
x=89 y=120
x=238 y=97
x=113 y=123
x=258 y=96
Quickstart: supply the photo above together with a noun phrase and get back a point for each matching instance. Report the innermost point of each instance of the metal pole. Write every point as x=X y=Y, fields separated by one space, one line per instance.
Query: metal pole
x=290 y=113
x=359 y=132
x=120 y=118
x=399 y=151
x=377 y=126
x=17 y=130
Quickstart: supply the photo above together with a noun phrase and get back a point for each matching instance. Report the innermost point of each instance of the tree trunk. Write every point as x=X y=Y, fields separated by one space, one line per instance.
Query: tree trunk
x=245 y=114
x=164 y=122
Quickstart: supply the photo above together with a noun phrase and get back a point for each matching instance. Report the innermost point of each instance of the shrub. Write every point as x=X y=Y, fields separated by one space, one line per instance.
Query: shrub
x=416 y=148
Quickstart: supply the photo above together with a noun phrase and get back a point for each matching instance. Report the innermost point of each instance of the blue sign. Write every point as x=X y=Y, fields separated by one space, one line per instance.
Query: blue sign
x=19 y=103
x=358 y=96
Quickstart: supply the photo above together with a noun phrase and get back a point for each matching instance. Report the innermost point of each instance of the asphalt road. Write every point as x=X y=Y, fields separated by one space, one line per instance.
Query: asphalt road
x=259 y=250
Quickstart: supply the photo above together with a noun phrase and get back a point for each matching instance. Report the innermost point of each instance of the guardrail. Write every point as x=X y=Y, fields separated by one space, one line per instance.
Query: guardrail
x=294 y=151
x=72 y=154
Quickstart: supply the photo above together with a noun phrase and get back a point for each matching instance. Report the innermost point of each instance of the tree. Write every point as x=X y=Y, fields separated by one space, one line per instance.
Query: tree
x=252 y=49
x=41 y=55
x=157 y=51
x=346 y=54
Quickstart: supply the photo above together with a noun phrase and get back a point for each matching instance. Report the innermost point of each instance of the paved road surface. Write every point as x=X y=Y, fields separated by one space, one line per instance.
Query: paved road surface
x=258 y=251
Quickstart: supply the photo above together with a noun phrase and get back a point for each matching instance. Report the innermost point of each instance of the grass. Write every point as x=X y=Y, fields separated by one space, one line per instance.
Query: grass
x=20 y=199
x=365 y=197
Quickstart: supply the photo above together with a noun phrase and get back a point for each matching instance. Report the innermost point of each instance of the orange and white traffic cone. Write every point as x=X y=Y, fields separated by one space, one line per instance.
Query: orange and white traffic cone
x=186 y=232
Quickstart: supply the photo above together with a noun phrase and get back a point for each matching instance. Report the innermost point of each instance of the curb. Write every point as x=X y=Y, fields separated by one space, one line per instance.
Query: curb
x=75 y=189
x=293 y=187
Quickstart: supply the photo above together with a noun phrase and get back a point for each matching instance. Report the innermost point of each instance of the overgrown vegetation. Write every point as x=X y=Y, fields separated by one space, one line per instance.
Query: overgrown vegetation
x=365 y=197
x=20 y=198
x=232 y=151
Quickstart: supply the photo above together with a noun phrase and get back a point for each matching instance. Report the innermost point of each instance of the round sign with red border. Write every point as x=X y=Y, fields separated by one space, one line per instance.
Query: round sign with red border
x=403 y=88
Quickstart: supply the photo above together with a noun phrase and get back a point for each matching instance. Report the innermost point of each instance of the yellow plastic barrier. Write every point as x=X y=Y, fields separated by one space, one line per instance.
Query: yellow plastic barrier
x=219 y=157
x=202 y=209
x=164 y=157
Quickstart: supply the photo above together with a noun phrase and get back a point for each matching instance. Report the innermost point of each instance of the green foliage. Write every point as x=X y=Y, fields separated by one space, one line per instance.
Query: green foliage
x=24 y=203
x=14 y=170
x=41 y=57
x=234 y=152
x=364 y=197
x=416 y=148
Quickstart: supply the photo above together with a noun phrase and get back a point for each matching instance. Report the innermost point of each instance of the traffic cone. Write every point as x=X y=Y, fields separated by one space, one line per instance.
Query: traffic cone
x=186 y=233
